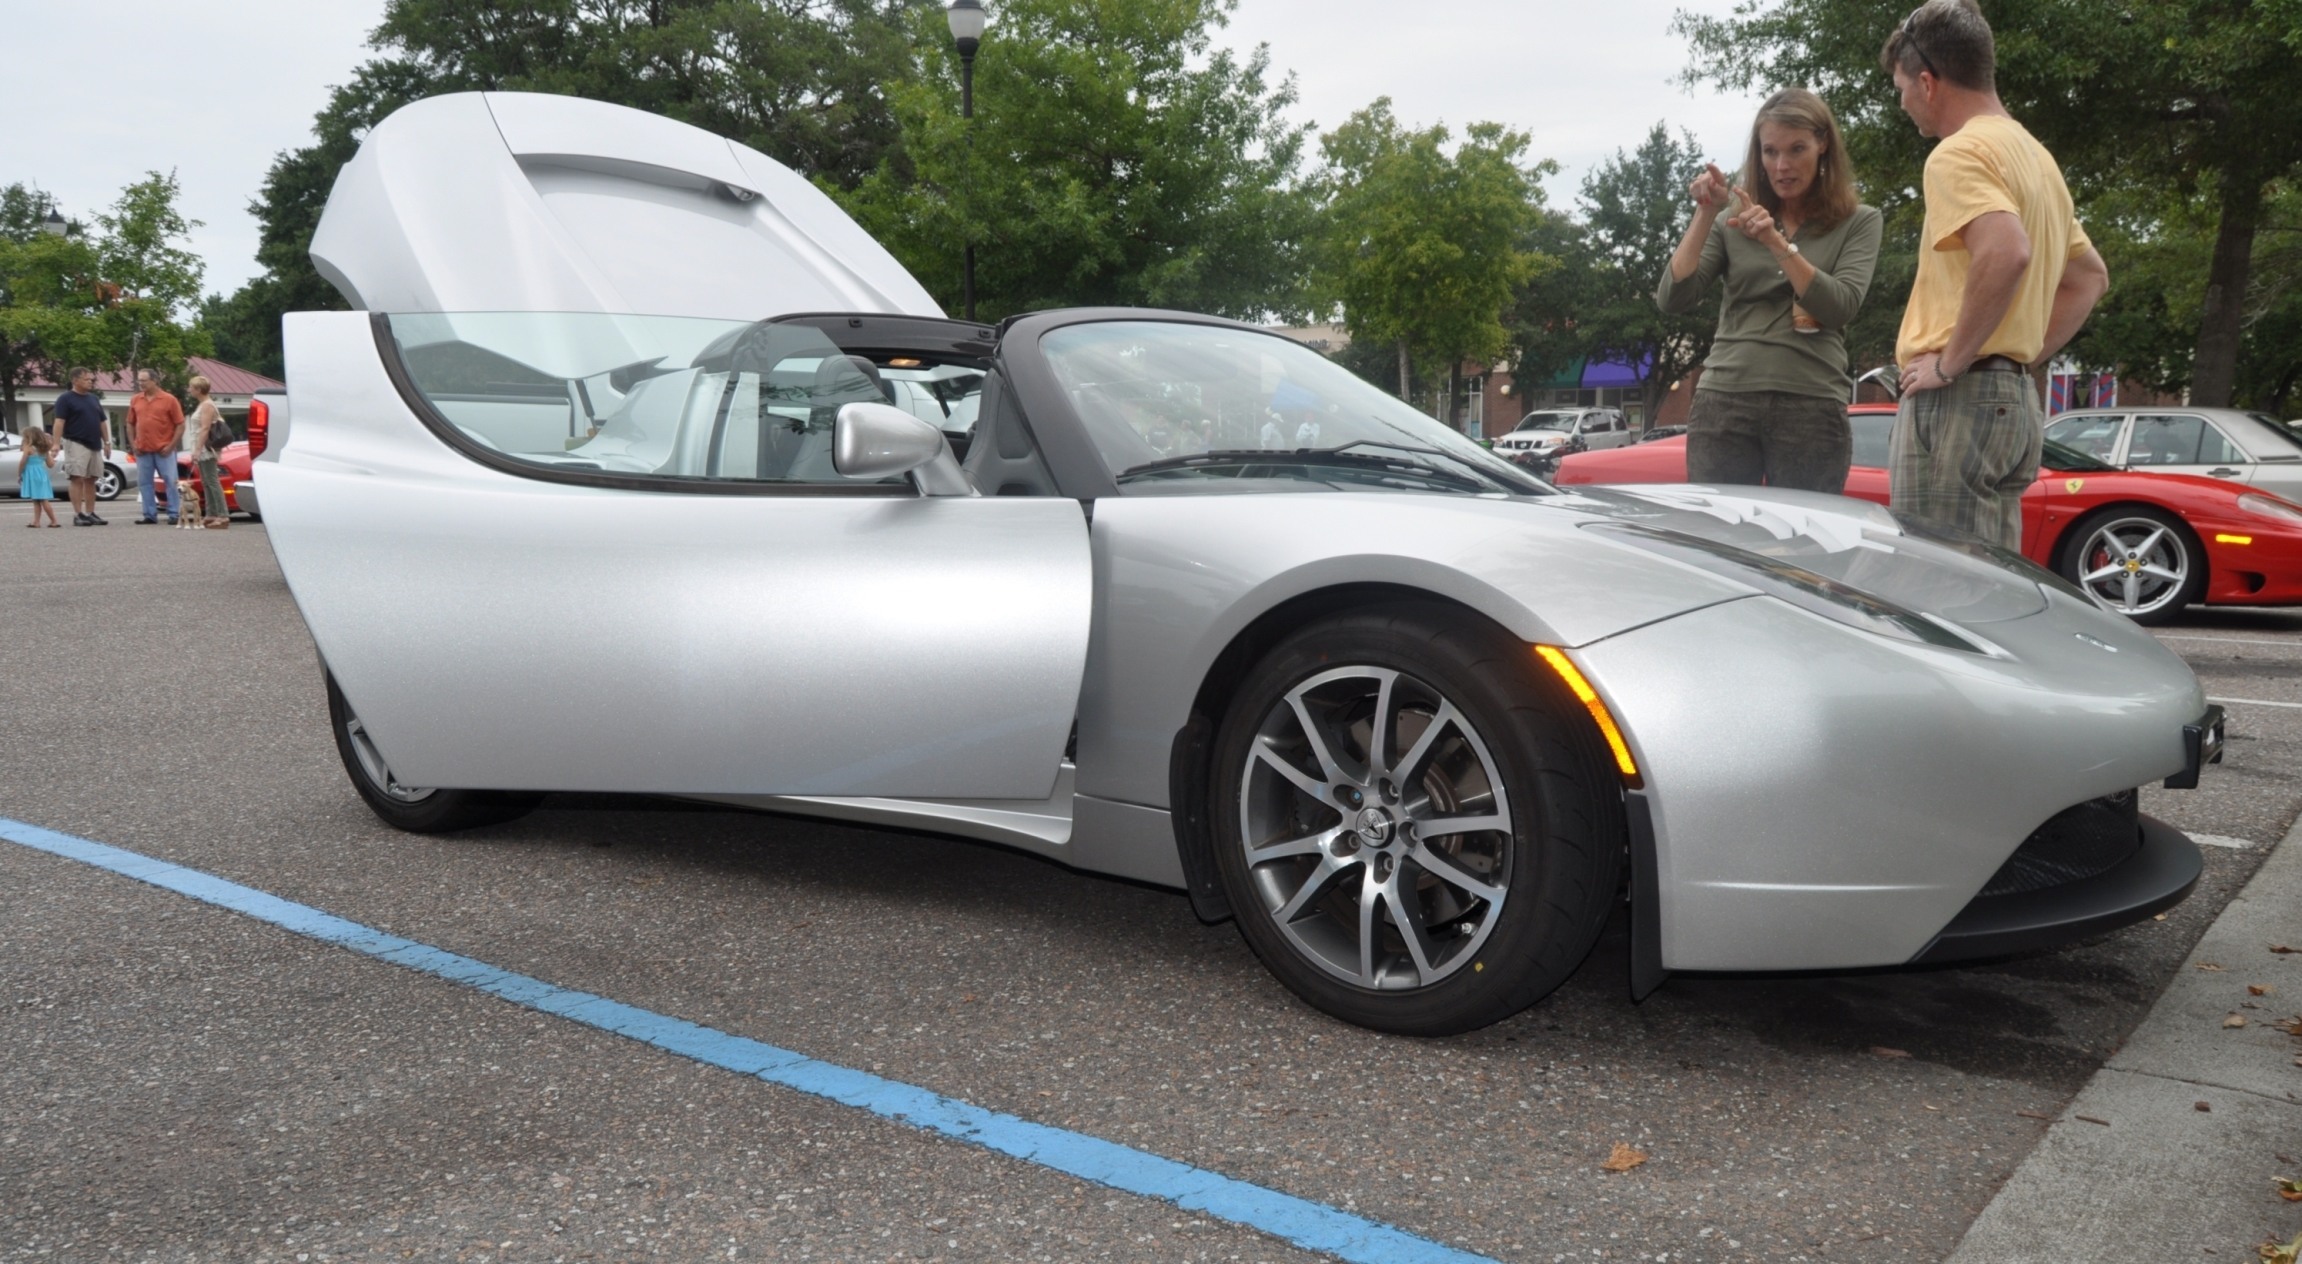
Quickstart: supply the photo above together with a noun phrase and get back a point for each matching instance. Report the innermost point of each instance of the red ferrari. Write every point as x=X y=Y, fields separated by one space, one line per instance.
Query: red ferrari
x=2145 y=544
x=231 y=470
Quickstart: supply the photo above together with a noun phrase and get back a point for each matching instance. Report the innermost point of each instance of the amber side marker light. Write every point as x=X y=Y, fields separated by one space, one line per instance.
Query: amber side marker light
x=1591 y=701
x=2225 y=537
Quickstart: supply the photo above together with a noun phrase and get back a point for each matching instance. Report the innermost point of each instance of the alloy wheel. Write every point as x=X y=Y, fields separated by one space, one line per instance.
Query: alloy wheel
x=1376 y=829
x=2138 y=565
x=372 y=763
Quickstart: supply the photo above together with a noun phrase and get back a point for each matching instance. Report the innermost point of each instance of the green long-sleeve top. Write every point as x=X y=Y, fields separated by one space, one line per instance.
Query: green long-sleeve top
x=1756 y=349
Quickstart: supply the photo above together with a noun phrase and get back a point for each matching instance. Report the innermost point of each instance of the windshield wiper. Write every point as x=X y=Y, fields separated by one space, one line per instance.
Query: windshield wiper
x=1334 y=457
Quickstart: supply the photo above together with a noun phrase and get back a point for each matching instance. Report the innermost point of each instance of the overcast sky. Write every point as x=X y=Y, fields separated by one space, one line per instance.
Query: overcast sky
x=99 y=92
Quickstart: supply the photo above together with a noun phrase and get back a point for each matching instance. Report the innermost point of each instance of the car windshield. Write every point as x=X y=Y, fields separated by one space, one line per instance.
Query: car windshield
x=2069 y=460
x=2284 y=442
x=1179 y=407
x=1547 y=421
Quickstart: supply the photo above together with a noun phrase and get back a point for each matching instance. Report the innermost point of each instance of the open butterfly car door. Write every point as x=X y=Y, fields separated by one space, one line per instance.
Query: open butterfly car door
x=558 y=504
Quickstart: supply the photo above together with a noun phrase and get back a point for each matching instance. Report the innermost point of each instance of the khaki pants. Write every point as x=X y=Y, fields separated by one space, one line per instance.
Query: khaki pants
x=1961 y=456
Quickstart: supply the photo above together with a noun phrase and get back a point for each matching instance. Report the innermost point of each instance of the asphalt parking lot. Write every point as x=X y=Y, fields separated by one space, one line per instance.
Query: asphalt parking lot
x=181 y=1082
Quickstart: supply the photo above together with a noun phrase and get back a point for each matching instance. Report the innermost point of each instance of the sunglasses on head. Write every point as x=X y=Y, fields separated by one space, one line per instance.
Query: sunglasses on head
x=1910 y=37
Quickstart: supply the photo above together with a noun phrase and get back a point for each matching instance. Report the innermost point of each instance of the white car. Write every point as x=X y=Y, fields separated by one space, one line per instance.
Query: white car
x=118 y=475
x=1549 y=432
x=601 y=488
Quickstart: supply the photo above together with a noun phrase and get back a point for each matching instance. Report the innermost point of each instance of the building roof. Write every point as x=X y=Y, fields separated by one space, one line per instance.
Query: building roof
x=231 y=379
x=224 y=379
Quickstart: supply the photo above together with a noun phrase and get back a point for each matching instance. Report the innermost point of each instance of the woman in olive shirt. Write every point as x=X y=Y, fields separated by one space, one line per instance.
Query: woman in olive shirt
x=1794 y=255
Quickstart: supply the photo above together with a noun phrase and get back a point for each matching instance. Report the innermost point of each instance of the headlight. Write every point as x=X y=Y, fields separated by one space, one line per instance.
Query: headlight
x=2269 y=506
x=1816 y=594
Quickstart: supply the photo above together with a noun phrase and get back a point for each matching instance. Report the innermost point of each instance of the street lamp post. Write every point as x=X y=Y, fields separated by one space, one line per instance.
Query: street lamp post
x=966 y=18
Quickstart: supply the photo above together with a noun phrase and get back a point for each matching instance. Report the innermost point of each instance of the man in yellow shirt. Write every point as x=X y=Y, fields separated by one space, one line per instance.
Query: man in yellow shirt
x=2005 y=278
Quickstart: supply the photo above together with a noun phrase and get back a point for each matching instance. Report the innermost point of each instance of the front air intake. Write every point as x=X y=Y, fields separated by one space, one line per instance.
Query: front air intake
x=2075 y=843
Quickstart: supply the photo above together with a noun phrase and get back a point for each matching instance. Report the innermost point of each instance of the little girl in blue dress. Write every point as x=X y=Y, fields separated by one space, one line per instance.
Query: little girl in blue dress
x=32 y=476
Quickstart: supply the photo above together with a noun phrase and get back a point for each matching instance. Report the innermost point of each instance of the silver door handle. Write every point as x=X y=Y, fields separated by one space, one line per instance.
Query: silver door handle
x=2224 y=472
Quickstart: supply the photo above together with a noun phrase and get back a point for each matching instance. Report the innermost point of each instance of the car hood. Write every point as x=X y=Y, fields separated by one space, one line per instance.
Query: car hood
x=517 y=201
x=1854 y=542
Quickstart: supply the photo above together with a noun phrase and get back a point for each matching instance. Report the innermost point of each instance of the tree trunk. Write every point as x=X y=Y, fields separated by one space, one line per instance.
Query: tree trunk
x=2214 y=369
x=1406 y=380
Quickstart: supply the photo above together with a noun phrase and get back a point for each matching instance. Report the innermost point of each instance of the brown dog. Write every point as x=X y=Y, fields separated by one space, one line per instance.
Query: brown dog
x=189 y=518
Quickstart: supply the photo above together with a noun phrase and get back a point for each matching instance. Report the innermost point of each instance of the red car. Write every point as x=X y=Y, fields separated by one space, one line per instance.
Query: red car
x=2145 y=544
x=231 y=469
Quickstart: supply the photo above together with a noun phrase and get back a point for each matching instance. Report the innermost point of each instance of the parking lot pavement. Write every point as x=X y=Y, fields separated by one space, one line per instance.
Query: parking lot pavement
x=291 y=1090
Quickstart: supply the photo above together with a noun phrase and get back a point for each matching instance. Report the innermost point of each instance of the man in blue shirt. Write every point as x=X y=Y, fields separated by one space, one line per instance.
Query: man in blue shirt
x=87 y=436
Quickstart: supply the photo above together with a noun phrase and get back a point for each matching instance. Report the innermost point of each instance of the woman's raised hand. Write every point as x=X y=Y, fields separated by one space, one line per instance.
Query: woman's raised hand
x=1756 y=223
x=1710 y=189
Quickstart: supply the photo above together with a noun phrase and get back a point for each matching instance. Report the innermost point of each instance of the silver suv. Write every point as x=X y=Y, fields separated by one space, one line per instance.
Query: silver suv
x=1550 y=432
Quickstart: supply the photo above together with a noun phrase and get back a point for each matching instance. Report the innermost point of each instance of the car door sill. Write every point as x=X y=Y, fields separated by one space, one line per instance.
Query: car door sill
x=1034 y=825
x=1123 y=840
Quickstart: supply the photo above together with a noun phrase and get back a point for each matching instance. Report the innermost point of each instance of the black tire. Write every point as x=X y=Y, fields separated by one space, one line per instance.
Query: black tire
x=413 y=810
x=2152 y=538
x=1554 y=872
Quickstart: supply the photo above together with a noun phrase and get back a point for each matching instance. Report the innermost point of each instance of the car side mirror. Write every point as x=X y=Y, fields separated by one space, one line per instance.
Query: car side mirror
x=878 y=440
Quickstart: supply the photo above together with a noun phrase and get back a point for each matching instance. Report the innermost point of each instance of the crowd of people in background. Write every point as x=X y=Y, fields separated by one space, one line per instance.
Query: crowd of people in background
x=161 y=436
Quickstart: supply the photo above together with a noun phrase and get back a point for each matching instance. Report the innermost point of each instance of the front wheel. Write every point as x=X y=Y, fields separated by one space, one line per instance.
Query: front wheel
x=2144 y=562
x=419 y=810
x=110 y=482
x=1413 y=825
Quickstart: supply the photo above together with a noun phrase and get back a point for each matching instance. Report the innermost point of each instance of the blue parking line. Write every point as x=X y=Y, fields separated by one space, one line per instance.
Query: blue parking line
x=1314 y=1226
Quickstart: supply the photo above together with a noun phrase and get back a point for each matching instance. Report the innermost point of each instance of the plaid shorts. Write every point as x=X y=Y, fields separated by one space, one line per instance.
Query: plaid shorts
x=1961 y=456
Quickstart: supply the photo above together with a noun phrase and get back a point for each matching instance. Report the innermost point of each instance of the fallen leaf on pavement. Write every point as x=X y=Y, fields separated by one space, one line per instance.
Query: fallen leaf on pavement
x=2259 y=989
x=1884 y=1052
x=2235 y=1020
x=2159 y=917
x=2208 y=965
x=1625 y=1158
x=2290 y=1190
x=2283 y=948
x=2091 y=1120
x=2202 y=1107
x=2275 y=1253
x=2291 y=1026
x=2035 y=1114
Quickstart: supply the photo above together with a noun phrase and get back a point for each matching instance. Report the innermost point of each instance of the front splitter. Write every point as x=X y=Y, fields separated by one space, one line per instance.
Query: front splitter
x=2159 y=875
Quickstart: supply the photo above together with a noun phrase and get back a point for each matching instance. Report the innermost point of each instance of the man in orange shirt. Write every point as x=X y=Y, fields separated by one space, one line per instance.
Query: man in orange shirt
x=155 y=426
x=2005 y=278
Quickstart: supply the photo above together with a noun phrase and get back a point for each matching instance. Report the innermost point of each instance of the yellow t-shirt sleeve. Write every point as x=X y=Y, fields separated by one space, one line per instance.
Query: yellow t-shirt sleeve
x=1962 y=185
x=2080 y=243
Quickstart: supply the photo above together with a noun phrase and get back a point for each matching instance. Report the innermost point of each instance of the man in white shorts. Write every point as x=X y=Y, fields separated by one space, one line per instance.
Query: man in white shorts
x=87 y=436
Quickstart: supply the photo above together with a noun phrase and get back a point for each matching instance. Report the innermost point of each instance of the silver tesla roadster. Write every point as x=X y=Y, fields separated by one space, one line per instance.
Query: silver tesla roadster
x=642 y=468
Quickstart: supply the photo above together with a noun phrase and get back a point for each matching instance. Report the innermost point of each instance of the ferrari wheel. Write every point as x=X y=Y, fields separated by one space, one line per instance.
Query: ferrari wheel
x=1412 y=824
x=419 y=810
x=2142 y=561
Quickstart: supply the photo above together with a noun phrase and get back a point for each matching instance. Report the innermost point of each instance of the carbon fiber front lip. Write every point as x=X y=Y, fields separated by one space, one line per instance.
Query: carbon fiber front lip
x=2159 y=875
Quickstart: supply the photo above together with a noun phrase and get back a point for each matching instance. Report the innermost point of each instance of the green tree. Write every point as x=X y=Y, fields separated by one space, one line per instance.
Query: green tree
x=1424 y=248
x=1115 y=157
x=1600 y=305
x=50 y=310
x=2196 y=96
x=104 y=299
x=151 y=278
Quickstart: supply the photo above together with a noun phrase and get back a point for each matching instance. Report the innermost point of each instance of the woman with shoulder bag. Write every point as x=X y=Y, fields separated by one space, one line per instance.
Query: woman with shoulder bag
x=1794 y=256
x=205 y=435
